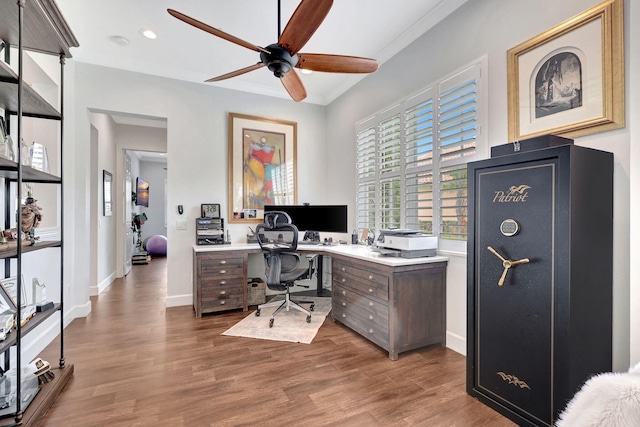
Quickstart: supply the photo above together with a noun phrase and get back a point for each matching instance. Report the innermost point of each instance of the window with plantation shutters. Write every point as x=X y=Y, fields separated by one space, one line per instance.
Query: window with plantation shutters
x=411 y=159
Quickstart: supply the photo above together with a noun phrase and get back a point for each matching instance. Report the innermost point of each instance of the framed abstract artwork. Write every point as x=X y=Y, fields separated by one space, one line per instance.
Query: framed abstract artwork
x=569 y=80
x=262 y=165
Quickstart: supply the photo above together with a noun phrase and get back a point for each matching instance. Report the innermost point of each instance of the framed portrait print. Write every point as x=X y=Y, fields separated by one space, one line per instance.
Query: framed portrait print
x=569 y=80
x=262 y=165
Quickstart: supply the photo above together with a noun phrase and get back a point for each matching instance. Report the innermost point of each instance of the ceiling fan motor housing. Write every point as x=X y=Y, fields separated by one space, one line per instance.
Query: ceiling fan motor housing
x=279 y=60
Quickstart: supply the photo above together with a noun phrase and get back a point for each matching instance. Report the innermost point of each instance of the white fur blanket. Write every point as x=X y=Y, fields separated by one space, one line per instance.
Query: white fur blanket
x=611 y=399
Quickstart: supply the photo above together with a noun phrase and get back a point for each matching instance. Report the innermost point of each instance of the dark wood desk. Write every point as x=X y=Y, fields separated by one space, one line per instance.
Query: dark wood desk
x=397 y=303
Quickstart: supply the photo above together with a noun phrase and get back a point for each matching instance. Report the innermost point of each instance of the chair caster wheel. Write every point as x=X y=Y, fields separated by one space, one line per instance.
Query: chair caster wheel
x=271 y=323
x=258 y=313
x=312 y=307
x=309 y=319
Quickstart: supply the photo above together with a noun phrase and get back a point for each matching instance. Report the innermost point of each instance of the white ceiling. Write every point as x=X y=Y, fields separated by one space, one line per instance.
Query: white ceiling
x=370 y=28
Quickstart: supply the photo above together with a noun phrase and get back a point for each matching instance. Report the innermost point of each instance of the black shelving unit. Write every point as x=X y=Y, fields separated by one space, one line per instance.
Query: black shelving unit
x=34 y=25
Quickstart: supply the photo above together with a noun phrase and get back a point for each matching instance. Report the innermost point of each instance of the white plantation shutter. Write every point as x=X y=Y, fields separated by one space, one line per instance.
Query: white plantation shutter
x=418 y=187
x=407 y=151
x=457 y=140
x=453 y=202
x=389 y=146
x=419 y=201
x=366 y=166
x=366 y=175
x=457 y=122
x=389 y=208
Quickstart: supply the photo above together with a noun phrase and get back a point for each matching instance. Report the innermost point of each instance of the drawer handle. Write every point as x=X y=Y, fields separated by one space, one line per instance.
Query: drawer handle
x=370 y=290
x=344 y=304
x=371 y=331
x=223 y=302
x=344 y=280
x=370 y=304
x=344 y=269
x=370 y=277
x=344 y=316
x=344 y=292
x=223 y=262
x=370 y=317
x=223 y=282
x=223 y=271
x=223 y=292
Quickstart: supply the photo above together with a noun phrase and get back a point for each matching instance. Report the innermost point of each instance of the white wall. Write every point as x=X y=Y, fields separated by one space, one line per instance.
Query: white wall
x=105 y=154
x=478 y=28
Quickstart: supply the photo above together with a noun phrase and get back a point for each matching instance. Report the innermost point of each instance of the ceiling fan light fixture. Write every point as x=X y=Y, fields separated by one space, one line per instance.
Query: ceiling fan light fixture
x=305 y=71
x=150 y=34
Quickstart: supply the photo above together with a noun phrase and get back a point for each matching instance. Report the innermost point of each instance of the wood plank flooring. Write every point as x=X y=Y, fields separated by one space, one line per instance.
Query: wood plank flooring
x=138 y=363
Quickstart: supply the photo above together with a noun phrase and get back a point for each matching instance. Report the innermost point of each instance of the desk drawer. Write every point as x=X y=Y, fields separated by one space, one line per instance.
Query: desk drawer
x=362 y=326
x=373 y=284
x=220 y=265
x=368 y=309
x=221 y=281
x=221 y=286
x=227 y=302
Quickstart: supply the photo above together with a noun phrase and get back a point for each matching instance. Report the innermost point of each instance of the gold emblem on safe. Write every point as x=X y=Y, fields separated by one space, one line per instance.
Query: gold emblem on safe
x=515 y=194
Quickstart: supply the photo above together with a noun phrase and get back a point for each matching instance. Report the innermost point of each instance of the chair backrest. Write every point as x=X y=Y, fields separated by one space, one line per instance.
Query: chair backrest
x=278 y=239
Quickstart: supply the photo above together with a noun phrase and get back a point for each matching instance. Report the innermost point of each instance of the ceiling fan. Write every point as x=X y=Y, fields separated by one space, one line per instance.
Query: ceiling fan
x=281 y=57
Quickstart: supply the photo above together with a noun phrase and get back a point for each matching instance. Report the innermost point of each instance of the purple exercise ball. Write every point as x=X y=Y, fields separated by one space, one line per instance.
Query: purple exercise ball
x=157 y=245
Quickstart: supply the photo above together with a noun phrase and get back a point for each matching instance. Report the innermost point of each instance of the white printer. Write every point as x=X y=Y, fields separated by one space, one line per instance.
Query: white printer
x=406 y=243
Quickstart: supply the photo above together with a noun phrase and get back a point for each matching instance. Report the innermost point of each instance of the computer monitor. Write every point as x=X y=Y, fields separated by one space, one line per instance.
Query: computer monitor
x=318 y=218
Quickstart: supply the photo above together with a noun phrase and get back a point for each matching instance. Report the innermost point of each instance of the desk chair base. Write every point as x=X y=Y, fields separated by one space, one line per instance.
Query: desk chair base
x=287 y=303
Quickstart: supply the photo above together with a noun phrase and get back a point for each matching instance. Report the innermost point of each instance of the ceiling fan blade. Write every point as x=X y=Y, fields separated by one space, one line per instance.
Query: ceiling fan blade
x=216 y=32
x=236 y=73
x=303 y=23
x=292 y=83
x=336 y=63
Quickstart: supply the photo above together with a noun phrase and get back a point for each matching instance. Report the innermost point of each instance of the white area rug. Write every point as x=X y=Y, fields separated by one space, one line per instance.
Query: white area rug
x=289 y=325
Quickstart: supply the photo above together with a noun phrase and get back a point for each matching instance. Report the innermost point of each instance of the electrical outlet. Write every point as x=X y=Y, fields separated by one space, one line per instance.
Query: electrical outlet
x=181 y=225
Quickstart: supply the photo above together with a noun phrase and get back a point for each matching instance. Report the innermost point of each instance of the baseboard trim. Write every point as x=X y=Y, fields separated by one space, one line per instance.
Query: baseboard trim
x=179 y=300
x=457 y=343
x=97 y=290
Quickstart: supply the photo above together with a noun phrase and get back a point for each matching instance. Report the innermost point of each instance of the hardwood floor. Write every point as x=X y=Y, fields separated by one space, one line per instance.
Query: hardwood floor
x=138 y=363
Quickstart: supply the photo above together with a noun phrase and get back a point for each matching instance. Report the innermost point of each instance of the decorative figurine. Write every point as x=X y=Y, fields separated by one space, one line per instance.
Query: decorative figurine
x=31 y=217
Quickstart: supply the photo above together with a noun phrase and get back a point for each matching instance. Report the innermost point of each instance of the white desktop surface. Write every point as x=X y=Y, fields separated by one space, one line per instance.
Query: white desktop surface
x=354 y=251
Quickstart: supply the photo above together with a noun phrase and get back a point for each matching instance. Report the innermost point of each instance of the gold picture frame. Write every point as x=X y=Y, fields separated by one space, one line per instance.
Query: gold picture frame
x=569 y=80
x=262 y=166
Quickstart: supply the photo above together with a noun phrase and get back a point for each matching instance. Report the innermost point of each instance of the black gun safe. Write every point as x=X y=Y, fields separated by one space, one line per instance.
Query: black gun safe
x=539 y=277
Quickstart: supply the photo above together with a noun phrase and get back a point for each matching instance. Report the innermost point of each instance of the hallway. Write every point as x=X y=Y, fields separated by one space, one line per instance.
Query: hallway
x=138 y=363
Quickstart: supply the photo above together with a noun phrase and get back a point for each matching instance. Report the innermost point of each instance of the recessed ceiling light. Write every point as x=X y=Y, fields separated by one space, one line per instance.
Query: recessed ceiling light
x=148 y=33
x=119 y=40
x=305 y=71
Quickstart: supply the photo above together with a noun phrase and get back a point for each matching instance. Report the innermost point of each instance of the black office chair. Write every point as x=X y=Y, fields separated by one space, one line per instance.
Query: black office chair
x=278 y=238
